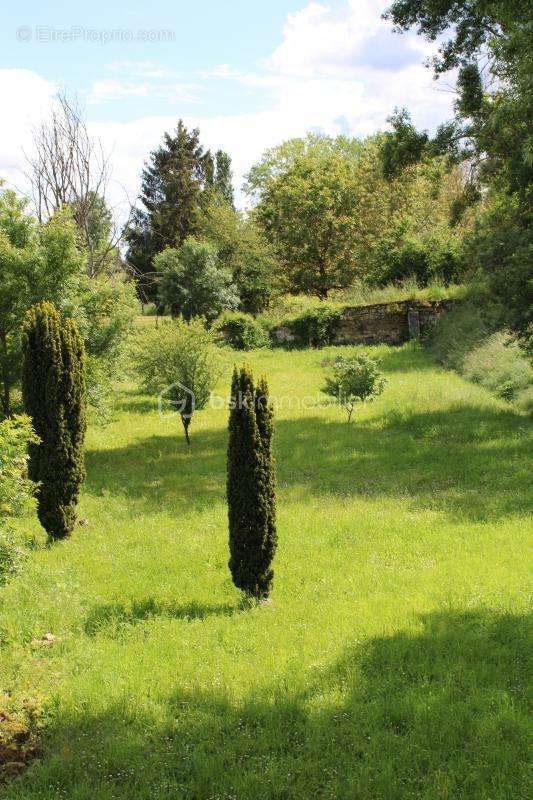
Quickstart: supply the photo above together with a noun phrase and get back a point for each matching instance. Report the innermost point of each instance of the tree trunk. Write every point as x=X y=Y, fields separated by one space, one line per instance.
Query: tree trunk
x=186 y=422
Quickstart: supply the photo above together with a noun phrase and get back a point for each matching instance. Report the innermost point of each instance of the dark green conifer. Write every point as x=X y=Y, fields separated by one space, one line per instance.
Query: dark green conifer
x=251 y=486
x=53 y=385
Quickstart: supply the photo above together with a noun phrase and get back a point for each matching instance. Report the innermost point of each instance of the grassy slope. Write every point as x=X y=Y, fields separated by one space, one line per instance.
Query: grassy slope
x=392 y=663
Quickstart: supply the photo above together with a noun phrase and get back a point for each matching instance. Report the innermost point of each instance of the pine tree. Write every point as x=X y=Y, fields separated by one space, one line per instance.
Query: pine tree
x=251 y=486
x=223 y=177
x=172 y=185
x=53 y=384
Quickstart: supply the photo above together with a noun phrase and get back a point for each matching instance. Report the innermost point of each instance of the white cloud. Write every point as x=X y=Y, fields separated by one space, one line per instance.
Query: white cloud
x=139 y=69
x=337 y=72
x=317 y=40
x=108 y=89
x=111 y=89
x=25 y=97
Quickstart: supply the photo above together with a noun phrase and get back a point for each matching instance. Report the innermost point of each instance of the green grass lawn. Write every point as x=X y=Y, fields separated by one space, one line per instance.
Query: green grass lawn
x=393 y=661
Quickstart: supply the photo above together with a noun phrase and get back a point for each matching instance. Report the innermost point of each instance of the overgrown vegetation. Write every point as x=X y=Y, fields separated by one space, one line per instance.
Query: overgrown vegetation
x=466 y=339
x=242 y=331
x=15 y=490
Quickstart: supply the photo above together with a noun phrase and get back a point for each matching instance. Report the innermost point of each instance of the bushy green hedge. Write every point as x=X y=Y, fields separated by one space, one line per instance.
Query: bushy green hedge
x=316 y=327
x=242 y=332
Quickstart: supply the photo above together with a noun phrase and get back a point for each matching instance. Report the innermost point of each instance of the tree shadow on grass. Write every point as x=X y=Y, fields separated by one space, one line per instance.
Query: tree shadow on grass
x=112 y=616
x=473 y=463
x=437 y=711
x=467 y=461
x=160 y=472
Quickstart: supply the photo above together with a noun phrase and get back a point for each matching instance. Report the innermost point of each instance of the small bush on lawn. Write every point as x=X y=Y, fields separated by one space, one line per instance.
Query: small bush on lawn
x=316 y=327
x=242 y=331
x=354 y=379
x=499 y=364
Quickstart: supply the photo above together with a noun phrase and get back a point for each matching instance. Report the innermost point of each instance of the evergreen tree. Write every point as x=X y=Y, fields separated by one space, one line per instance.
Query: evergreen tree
x=251 y=486
x=172 y=184
x=53 y=385
x=223 y=177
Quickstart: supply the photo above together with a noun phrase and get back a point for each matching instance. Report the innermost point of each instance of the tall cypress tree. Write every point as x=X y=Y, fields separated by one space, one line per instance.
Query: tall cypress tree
x=53 y=385
x=251 y=486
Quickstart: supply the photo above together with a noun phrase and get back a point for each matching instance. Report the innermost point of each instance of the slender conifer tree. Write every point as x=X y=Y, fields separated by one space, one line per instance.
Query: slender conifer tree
x=53 y=385
x=251 y=486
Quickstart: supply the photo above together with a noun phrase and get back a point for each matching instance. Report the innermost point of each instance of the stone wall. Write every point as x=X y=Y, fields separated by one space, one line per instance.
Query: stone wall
x=380 y=323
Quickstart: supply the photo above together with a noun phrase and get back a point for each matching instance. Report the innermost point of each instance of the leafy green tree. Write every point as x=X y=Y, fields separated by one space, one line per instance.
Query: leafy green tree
x=96 y=238
x=490 y=44
x=16 y=489
x=179 y=362
x=105 y=309
x=251 y=486
x=354 y=379
x=326 y=207
x=53 y=386
x=223 y=177
x=193 y=282
x=174 y=182
x=307 y=196
x=244 y=251
x=37 y=263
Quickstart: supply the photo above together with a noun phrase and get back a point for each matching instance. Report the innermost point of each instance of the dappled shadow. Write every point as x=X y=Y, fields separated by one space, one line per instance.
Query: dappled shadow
x=435 y=711
x=112 y=616
x=471 y=462
x=160 y=472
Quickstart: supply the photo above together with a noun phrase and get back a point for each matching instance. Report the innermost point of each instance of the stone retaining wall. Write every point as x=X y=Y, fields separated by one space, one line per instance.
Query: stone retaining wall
x=380 y=323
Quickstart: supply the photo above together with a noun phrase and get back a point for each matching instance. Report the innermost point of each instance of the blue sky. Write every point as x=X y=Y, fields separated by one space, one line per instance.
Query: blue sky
x=249 y=74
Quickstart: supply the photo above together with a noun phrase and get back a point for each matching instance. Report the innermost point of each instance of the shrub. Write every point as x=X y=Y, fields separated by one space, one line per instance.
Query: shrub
x=251 y=486
x=15 y=488
x=242 y=331
x=179 y=362
x=355 y=378
x=316 y=327
x=53 y=384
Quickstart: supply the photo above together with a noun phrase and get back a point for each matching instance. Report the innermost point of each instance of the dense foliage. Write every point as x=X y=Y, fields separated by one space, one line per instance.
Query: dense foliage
x=251 y=486
x=53 y=383
x=193 y=283
x=179 y=178
x=490 y=43
x=242 y=249
x=242 y=331
x=15 y=487
x=332 y=217
x=36 y=263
